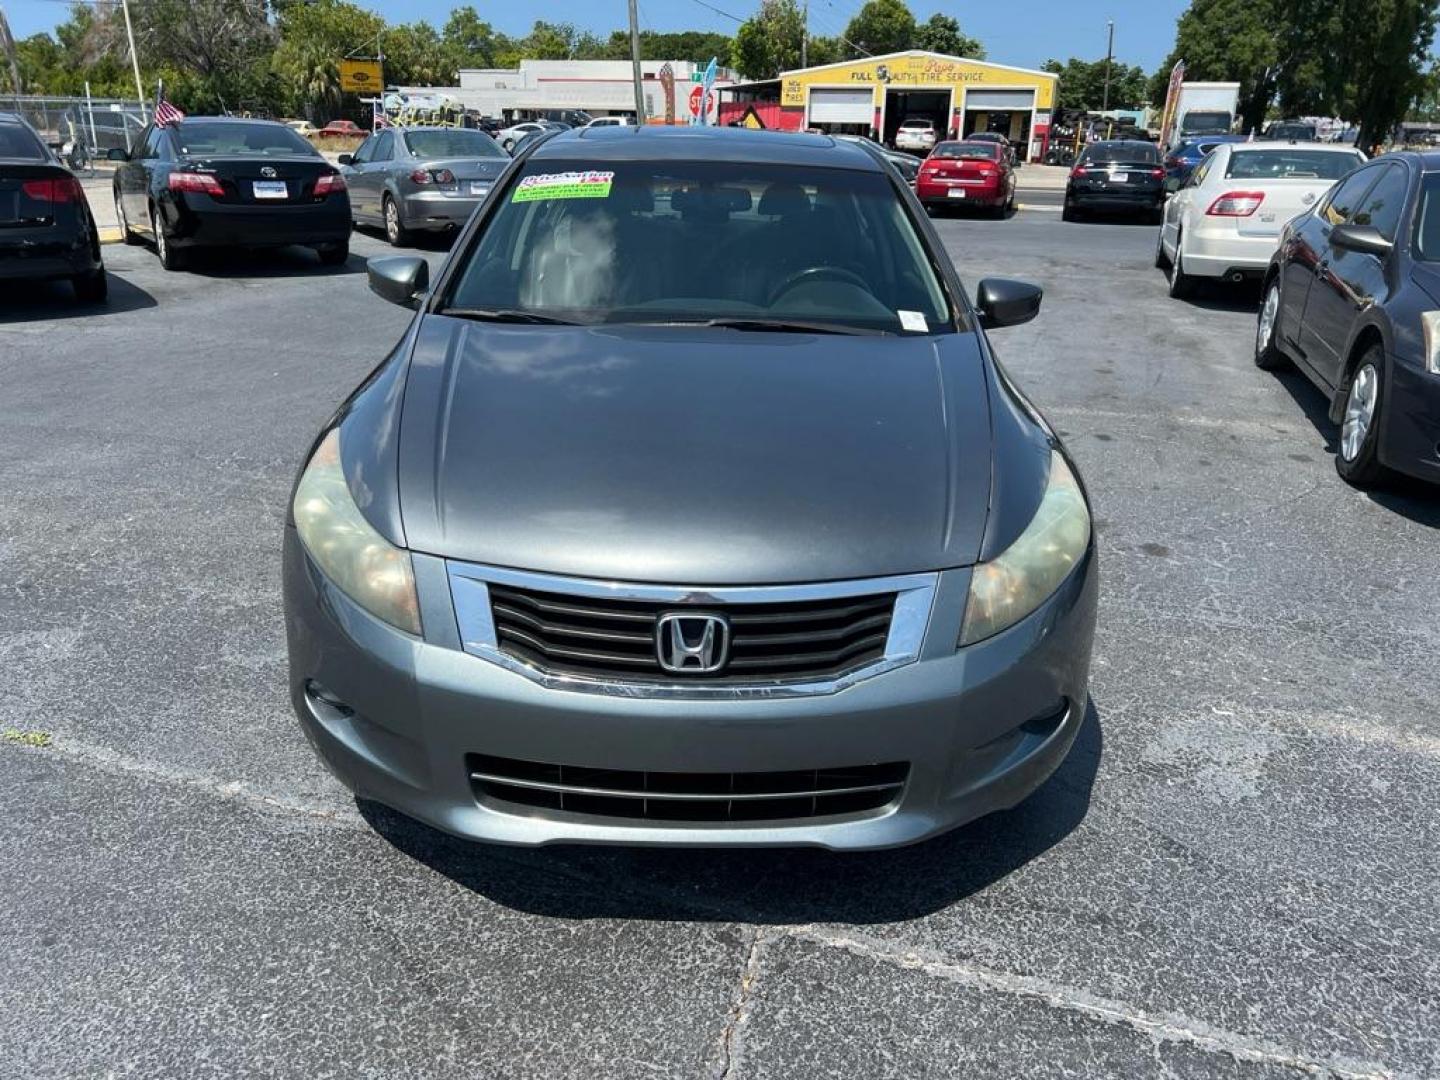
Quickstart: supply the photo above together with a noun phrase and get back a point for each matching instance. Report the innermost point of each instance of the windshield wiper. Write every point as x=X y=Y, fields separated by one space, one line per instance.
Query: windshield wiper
x=506 y=315
x=783 y=326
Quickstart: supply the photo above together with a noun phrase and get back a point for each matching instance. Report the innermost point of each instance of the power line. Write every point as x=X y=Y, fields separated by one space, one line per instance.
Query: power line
x=718 y=11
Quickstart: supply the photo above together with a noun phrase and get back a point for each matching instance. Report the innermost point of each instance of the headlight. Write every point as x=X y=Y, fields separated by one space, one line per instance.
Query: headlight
x=1016 y=582
x=1430 y=321
x=363 y=564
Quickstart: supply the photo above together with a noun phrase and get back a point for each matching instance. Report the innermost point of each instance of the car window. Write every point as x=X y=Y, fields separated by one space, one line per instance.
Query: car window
x=1382 y=204
x=1287 y=164
x=385 y=146
x=1427 y=219
x=1343 y=200
x=1197 y=177
x=666 y=242
x=987 y=150
x=232 y=139
x=363 y=154
x=452 y=143
x=1101 y=153
x=17 y=142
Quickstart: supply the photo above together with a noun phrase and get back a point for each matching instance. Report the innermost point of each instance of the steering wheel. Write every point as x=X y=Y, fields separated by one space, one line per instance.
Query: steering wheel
x=816 y=273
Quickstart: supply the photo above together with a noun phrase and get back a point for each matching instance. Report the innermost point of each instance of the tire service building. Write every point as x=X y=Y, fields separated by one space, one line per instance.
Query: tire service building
x=874 y=95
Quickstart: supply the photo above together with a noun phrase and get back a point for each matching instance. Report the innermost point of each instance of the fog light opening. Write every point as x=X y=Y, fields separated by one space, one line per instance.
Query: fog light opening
x=319 y=694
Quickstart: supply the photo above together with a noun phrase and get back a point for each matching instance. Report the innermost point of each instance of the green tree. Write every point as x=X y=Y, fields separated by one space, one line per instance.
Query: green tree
x=1375 y=66
x=415 y=55
x=472 y=42
x=769 y=41
x=1082 y=84
x=881 y=26
x=314 y=37
x=941 y=34
x=824 y=50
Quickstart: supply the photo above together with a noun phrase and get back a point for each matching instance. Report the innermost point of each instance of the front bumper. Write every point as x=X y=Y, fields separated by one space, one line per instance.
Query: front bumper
x=1410 y=429
x=435 y=210
x=981 y=728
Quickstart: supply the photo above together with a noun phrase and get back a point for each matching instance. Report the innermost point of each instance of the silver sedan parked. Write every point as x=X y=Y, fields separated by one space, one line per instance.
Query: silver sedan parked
x=421 y=179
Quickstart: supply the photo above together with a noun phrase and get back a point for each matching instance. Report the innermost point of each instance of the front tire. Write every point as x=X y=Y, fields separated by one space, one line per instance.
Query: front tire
x=1357 y=459
x=1268 y=356
x=395 y=231
x=170 y=258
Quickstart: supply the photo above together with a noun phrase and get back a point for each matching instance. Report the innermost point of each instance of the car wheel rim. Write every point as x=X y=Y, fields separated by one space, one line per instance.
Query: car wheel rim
x=392 y=222
x=1266 y=327
x=1359 y=411
x=159 y=236
x=120 y=213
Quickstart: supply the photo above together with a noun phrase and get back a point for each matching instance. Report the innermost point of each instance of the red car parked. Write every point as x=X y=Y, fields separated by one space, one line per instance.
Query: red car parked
x=967 y=174
x=346 y=129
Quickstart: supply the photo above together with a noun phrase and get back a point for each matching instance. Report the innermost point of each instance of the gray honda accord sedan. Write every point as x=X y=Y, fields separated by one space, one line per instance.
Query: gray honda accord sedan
x=692 y=508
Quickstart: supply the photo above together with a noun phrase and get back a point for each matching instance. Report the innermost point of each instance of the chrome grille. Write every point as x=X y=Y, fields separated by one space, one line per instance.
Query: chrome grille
x=666 y=796
x=615 y=638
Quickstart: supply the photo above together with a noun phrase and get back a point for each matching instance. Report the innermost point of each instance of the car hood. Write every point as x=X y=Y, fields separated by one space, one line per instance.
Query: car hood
x=692 y=455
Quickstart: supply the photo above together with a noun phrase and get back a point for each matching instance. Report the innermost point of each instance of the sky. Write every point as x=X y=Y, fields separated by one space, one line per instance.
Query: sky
x=1020 y=32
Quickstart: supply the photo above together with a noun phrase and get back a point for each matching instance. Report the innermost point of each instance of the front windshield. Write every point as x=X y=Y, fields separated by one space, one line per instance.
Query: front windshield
x=453 y=143
x=1205 y=121
x=1427 y=219
x=1291 y=164
x=686 y=242
x=239 y=140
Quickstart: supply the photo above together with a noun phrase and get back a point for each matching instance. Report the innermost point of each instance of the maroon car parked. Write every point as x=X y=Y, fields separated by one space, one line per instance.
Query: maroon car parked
x=968 y=174
x=342 y=129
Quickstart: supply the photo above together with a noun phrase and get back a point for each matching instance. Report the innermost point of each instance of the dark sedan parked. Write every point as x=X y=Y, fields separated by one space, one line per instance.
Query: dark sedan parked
x=1352 y=296
x=1118 y=175
x=421 y=179
x=692 y=509
x=46 y=229
x=222 y=182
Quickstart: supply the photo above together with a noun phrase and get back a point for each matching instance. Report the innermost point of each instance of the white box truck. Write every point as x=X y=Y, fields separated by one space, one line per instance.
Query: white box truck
x=1205 y=108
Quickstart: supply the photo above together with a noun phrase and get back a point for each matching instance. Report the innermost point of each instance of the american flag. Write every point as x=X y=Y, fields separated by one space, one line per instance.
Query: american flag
x=165 y=113
x=378 y=118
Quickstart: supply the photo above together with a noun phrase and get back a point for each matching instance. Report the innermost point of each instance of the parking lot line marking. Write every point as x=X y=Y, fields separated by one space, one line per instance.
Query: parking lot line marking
x=109 y=234
x=1042 y=209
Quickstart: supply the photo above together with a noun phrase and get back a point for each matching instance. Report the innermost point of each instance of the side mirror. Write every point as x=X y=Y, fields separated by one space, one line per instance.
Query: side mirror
x=346 y=159
x=1365 y=238
x=1007 y=303
x=116 y=154
x=401 y=279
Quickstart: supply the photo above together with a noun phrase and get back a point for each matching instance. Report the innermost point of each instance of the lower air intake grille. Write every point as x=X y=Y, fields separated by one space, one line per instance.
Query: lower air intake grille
x=616 y=639
x=665 y=796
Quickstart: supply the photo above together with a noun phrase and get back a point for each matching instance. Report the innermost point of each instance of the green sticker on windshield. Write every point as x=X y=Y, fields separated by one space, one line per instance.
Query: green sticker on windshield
x=565 y=185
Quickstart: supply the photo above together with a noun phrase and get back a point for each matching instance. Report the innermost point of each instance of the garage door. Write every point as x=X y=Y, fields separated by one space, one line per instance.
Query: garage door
x=841 y=107
x=999 y=99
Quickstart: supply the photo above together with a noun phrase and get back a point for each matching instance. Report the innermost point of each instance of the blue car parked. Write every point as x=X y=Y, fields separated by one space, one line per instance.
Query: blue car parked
x=1180 y=162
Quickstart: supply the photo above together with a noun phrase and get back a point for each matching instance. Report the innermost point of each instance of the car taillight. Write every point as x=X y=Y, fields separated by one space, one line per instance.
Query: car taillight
x=1172 y=163
x=1078 y=170
x=1157 y=174
x=330 y=183
x=200 y=183
x=64 y=190
x=1236 y=204
x=433 y=176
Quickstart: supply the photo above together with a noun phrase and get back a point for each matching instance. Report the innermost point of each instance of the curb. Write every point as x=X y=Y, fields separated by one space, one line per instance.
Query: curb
x=109 y=234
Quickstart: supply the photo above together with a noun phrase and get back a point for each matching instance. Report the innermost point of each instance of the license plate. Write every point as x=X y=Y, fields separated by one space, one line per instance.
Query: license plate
x=271 y=189
x=956 y=193
x=477 y=188
x=1119 y=177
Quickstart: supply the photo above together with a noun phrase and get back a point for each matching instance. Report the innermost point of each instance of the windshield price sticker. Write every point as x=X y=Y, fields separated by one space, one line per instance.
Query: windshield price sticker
x=566 y=185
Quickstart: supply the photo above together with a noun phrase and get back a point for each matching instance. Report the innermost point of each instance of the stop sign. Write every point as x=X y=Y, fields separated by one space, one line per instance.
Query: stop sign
x=695 y=97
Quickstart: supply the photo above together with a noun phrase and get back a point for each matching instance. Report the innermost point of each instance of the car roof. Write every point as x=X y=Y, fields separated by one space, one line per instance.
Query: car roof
x=664 y=143
x=1292 y=144
x=1120 y=142
x=231 y=120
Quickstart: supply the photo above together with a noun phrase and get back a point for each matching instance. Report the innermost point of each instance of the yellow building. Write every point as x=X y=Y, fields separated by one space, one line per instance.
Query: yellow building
x=872 y=96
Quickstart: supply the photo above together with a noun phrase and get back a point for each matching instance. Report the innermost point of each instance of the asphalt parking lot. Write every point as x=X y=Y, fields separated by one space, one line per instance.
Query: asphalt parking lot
x=1234 y=874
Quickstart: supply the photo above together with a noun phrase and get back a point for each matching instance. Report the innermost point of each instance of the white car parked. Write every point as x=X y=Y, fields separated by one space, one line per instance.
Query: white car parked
x=916 y=136
x=511 y=136
x=1226 y=221
x=610 y=121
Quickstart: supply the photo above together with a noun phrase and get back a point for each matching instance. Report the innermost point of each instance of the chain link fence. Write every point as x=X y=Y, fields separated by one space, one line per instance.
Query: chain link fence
x=81 y=130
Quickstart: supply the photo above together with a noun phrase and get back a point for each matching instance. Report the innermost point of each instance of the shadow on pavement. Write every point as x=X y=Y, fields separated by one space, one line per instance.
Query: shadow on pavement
x=1313 y=403
x=265 y=263
x=420 y=241
x=763 y=886
x=24 y=301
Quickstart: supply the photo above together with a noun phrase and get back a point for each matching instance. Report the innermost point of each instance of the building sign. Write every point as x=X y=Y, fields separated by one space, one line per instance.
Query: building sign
x=751 y=120
x=361 y=76
x=912 y=71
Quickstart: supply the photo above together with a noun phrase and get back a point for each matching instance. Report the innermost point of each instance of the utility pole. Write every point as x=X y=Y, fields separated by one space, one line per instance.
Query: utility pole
x=805 y=35
x=7 y=43
x=134 y=60
x=1109 y=52
x=635 y=63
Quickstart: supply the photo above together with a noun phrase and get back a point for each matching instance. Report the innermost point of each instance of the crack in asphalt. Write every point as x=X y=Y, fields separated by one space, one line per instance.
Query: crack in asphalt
x=1161 y=1027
